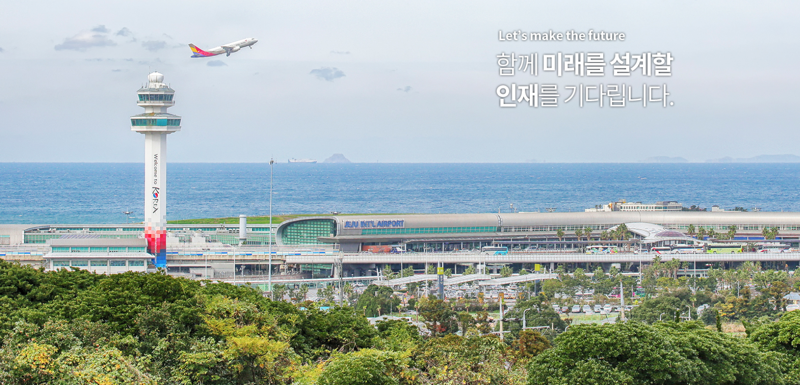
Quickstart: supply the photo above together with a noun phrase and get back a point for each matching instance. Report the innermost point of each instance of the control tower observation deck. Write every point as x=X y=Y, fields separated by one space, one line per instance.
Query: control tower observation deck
x=155 y=123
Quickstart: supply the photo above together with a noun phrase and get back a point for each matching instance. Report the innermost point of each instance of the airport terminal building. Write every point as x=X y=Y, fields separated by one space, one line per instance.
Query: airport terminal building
x=526 y=231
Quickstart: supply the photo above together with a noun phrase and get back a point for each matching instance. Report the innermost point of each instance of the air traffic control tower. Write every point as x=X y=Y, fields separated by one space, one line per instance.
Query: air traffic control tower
x=155 y=123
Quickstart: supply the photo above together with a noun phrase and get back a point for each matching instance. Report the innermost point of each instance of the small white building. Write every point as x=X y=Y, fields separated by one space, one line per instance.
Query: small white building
x=98 y=255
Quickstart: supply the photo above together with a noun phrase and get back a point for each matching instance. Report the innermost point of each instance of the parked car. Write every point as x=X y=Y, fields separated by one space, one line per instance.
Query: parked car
x=576 y=308
x=597 y=308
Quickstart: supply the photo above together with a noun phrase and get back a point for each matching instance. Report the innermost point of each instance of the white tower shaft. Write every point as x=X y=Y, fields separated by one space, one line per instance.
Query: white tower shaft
x=155 y=123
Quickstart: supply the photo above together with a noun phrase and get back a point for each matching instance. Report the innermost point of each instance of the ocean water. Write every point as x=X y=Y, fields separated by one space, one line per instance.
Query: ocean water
x=78 y=193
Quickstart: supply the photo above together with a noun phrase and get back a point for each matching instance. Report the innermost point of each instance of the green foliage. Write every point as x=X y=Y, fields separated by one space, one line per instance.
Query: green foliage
x=377 y=300
x=666 y=353
x=340 y=328
x=439 y=316
x=782 y=336
x=365 y=367
x=466 y=360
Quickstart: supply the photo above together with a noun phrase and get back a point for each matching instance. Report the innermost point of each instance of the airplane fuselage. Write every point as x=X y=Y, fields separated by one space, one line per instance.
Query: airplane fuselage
x=226 y=49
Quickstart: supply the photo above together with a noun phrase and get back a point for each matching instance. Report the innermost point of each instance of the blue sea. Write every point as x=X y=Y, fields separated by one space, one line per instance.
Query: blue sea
x=79 y=193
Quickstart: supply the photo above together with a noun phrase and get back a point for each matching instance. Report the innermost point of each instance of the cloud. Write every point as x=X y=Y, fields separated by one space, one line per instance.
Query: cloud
x=101 y=29
x=116 y=70
x=216 y=63
x=1 y=49
x=327 y=73
x=124 y=32
x=83 y=41
x=129 y=59
x=95 y=59
x=405 y=89
x=340 y=52
x=154 y=45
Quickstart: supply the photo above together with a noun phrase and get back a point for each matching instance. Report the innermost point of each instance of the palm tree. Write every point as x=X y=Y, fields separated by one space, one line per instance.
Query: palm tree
x=701 y=233
x=578 y=234
x=765 y=232
x=560 y=234
x=774 y=232
x=732 y=231
x=690 y=230
x=711 y=233
x=603 y=235
x=587 y=232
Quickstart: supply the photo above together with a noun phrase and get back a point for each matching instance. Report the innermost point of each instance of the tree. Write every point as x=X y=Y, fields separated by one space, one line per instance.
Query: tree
x=364 y=367
x=665 y=353
x=469 y=270
x=732 y=231
x=302 y=292
x=439 y=317
x=377 y=300
x=690 y=231
x=701 y=233
x=588 y=233
x=327 y=294
x=529 y=344
x=506 y=271
x=560 y=234
x=278 y=291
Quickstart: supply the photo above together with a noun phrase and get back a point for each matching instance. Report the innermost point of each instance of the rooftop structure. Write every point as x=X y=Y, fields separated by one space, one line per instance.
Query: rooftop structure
x=622 y=205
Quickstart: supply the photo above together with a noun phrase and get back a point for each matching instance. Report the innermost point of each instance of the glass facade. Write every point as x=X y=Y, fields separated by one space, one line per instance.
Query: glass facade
x=306 y=232
x=44 y=237
x=117 y=263
x=155 y=97
x=135 y=263
x=99 y=263
x=431 y=230
x=155 y=122
x=60 y=249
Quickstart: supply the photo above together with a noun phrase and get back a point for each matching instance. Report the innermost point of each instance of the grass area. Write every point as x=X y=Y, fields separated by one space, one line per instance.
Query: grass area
x=257 y=220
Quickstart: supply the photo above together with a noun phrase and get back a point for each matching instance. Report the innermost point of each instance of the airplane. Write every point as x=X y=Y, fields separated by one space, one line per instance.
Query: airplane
x=227 y=49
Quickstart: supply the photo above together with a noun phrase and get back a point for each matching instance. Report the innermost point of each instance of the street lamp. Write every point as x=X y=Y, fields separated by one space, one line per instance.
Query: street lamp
x=525 y=320
x=271 y=233
x=659 y=317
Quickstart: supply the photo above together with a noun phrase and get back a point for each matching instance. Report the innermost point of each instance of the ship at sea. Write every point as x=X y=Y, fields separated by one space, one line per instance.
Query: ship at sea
x=293 y=160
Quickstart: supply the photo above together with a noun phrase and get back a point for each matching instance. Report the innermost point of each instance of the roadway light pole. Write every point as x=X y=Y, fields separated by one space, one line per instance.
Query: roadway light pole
x=271 y=233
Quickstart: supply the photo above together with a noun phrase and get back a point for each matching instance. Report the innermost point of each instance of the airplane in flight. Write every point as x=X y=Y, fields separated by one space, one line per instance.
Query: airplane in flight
x=227 y=49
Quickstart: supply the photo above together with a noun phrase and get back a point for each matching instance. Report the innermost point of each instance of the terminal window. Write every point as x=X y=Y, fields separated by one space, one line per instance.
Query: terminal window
x=135 y=263
x=308 y=232
x=117 y=263
x=431 y=230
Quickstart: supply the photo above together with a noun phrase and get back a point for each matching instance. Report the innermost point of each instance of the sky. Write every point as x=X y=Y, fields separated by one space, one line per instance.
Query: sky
x=391 y=81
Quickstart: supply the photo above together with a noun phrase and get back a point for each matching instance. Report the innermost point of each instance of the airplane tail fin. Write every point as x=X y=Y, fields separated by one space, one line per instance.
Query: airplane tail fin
x=197 y=52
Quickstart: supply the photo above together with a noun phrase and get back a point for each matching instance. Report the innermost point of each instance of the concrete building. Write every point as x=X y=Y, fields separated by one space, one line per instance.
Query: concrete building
x=98 y=255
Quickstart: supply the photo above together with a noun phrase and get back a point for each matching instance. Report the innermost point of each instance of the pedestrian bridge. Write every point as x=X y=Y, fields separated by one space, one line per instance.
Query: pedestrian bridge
x=541 y=258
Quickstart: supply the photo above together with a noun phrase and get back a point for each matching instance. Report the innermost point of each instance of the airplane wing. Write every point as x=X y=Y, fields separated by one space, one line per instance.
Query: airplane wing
x=228 y=50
